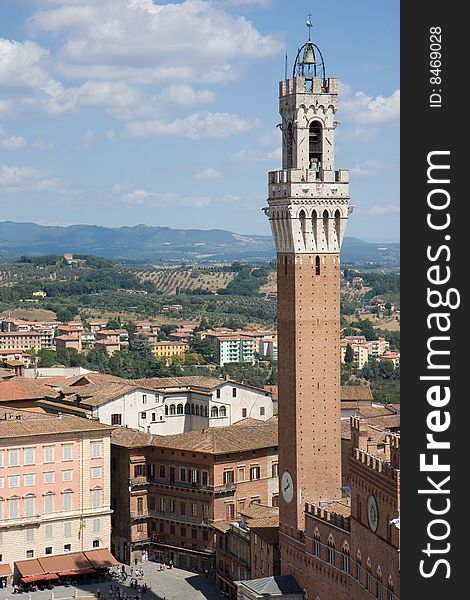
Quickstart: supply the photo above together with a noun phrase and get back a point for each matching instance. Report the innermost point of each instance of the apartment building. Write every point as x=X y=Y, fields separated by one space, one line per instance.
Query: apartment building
x=180 y=485
x=54 y=485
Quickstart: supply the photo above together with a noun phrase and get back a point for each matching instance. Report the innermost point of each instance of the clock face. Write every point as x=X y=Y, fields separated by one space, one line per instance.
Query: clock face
x=287 y=486
x=372 y=513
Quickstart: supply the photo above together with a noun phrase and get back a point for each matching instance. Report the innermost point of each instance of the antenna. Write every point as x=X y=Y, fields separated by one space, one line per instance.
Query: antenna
x=309 y=25
x=285 y=68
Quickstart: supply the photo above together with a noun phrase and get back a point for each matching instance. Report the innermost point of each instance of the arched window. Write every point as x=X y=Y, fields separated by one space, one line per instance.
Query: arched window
x=179 y=409
x=338 y=226
x=197 y=409
x=359 y=568
x=166 y=410
x=222 y=411
x=380 y=587
x=390 y=588
x=290 y=146
x=315 y=147
x=330 y=550
x=315 y=226
x=172 y=409
x=214 y=411
x=193 y=412
x=303 y=226
x=345 y=557
x=206 y=411
x=317 y=265
x=186 y=409
x=369 y=575
x=97 y=543
x=326 y=227
x=316 y=543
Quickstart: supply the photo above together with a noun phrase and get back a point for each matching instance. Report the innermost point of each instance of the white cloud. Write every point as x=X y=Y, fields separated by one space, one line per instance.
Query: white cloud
x=370 y=168
x=182 y=94
x=196 y=40
x=20 y=179
x=89 y=138
x=11 y=142
x=197 y=126
x=42 y=145
x=254 y=156
x=208 y=174
x=142 y=197
x=356 y=134
x=382 y=209
x=367 y=110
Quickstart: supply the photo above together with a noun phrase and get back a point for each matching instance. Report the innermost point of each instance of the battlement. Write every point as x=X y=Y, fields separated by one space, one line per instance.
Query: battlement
x=303 y=85
x=307 y=176
x=331 y=517
x=380 y=466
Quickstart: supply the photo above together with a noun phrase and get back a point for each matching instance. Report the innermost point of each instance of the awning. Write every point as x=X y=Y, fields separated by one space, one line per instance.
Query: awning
x=74 y=573
x=101 y=558
x=5 y=570
x=29 y=567
x=43 y=577
x=71 y=561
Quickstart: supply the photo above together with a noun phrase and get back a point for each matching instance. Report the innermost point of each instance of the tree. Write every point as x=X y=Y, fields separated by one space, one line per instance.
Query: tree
x=114 y=323
x=349 y=355
x=66 y=313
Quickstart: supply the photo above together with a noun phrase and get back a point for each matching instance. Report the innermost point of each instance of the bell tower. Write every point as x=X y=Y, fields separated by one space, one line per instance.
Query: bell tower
x=308 y=209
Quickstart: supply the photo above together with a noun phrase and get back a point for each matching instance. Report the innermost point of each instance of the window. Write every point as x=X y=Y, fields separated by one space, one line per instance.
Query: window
x=262 y=410
x=345 y=558
x=234 y=392
x=49 y=477
x=241 y=473
x=217 y=393
x=48 y=550
x=172 y=505
x=144 y=398
x=67 y=500
x=230 y=511
x=154 y=417
x=96 y=543
x=205 y=535
x=29 y=553
x=214 y=411
x=172 y=409
x=143 y=416
x=2 y=458
x=29 y=479
x=162 y=505
x=317 y=265
x=179 y=409
x=116 y=419
x=275 y=470
x=316 y=543
x=330 y=551
x=67 y=475
x=205 y=511
x=13 y=481
x=29 y=506
x=194 y=534
x=29 y=534
x=13 y=508
x=172 y=529
x=49 y=503
x=182 y=474
x=255 y=500
x=67 y=451
x=48 y=454
x=244 y=413
x=48 y=531
x=228 y=477
x=205 y=478
x=194 y=509
x=29 y=456
x=14 y=458
x=183 y=531
x=67 y=547
x=67 y=529
x=275 y=500
x=254 y=473
x=222 y=411
x=96 y=472
x=96 y=449
x=96 y=500
x=194 y=475
x=162 y=471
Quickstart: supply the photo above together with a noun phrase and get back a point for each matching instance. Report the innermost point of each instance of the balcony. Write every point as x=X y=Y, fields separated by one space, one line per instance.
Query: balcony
x=156 y=514
x=183 y=485
x=304 y=183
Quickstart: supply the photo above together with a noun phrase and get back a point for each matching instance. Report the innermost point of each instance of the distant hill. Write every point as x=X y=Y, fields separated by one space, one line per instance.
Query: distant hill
x=142 y=242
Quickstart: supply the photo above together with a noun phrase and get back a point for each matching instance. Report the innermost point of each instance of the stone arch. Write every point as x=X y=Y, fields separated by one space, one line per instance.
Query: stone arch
x=303 y=226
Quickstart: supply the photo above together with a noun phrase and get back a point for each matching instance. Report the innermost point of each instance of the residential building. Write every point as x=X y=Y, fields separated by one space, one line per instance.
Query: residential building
x=247 y=548
x=96 y=325
x=55 y=480
x=23 y=393
x=172 y=308
x=235 y=349
x=15 y=355
x=394 y=357
x=180 y=485
x=108 y=346
x=72 y=340
x=162 y=406
x=360 y=352
x=20 y=340
x=168 y=349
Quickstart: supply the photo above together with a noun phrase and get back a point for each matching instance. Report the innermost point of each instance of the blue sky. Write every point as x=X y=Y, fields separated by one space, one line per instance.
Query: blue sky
x=120 y=112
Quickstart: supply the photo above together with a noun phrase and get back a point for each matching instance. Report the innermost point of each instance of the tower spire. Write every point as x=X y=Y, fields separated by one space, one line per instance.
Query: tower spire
x=309 y=25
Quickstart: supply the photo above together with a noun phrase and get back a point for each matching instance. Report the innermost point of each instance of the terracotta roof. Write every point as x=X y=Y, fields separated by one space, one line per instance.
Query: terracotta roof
x=222 y=526
x=178 y=382
x=28 y=425
x=130 y=438
x=20 y=388
x=222 y=440
x=355 y=392
x=19 y=333
x=260 y=511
